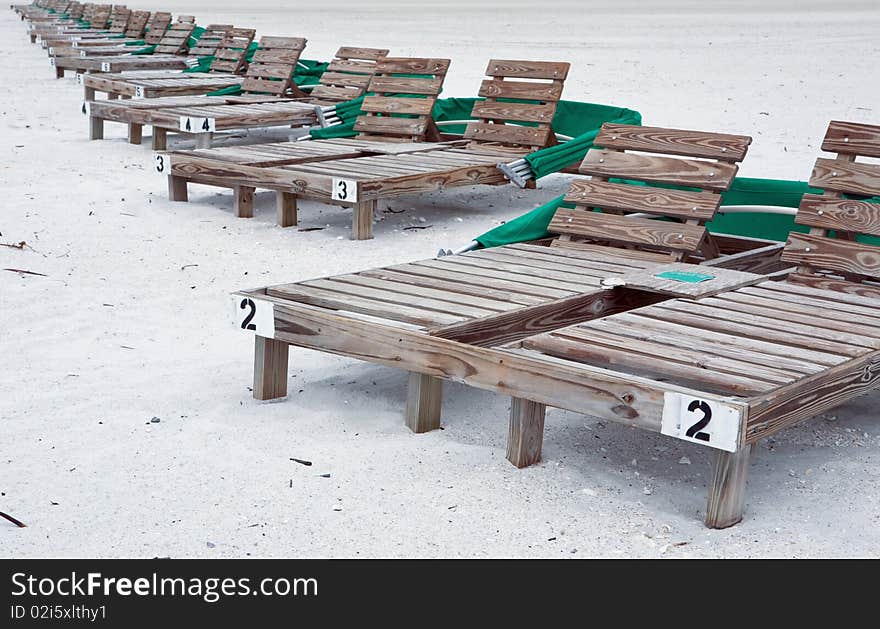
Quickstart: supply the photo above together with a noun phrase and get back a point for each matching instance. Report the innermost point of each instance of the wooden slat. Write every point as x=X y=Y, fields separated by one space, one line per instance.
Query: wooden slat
x=623 y=229
x=353 y=52
x=521 y=112
x=852 y=138
x=839 y=214
x=411 y=65
x=657 y=169
x=340 y=94
x=721 y=146
x=401 y=85
x=508 y=134
x=544 y=92
x=251 y=84
x=857 y=178
x=384 y=125
x=339 y=78
x=662 y=201
x=269 y=70
x=528 y=69
x=392 y=105
x=821 y=252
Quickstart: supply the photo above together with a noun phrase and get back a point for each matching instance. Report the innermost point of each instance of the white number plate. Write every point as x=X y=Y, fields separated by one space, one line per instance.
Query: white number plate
x=161 y=163
x=52 y=61
x=254 y=315
x=82 y=53
x=197 y=125
x=86 y=108
x=75 y=44
x=139 y=91
x=706 y=422
x=51 y=51
x=344 y=189
x=105 y=66
x=79 y=78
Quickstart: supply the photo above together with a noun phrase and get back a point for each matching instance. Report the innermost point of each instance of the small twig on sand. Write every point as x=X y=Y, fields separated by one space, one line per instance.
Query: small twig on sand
x=185 y=266
x=17 y=523
x=14 y=245
x=24 y=271
x=417 y=227
x=301 y=461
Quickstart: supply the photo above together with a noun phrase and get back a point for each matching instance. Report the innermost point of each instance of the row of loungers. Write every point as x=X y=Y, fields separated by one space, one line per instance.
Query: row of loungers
x=631 y=311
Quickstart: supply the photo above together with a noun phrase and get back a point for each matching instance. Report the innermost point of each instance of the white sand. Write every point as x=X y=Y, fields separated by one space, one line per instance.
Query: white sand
x=123 y=328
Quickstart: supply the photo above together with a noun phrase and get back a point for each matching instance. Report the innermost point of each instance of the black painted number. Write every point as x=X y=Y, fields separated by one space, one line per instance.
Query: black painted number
x=160 y=164
x=342 y=190
x=696 y=431
x=188 y=126
x=205 y=125
x=248 y=304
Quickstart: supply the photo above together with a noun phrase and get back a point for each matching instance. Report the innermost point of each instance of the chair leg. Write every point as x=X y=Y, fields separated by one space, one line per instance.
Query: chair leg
x=177 y=188
x=286 y=205
x=88 y=93
x=59 y=72
x=135 y=133
x=424 y=395
x=244 y=201
x=203 y=140
x=96 y=128
x=727 y=488
x=362 y=220
x=526 y=432
x=160 y=139
x=270 y=368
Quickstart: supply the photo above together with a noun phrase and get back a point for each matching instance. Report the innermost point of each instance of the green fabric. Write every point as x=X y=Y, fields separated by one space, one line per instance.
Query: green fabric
x=139 y=42
x=744 y=191
x=685 y=276
x=305 y=76
x=584 y=123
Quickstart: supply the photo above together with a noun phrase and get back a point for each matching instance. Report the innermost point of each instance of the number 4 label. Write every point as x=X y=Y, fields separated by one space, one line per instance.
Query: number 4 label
x=706 y=422
x=344 y=189
x=189 y=124
x=254 y=315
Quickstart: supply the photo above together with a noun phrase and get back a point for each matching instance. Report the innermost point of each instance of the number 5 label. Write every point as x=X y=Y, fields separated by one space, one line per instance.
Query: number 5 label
x=254 y=315
x=707 y=422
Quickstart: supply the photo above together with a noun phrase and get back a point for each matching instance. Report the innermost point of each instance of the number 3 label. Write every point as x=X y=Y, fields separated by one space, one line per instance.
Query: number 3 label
x=344 y=189
x=254 y=315
x=161 y=163
x=707 y=422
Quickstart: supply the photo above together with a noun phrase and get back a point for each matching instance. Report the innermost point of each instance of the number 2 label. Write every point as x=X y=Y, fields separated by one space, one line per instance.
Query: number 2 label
x=254 y=315
x=706 y=422
x=344 y=189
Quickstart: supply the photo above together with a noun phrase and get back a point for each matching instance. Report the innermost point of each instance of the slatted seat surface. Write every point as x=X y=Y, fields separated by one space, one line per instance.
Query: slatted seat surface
x=741 y=343
x=431 y=295
x=232 y=116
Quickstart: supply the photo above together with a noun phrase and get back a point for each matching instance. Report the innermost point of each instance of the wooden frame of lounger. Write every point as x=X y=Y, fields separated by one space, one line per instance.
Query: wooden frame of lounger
x=266 y=87
x=67 y=45
x=170 y=54
x=208 y=43
x=117 y=24
x=368 y=178
x=230 y=61
x=292 y=107
x=758 y=355
x=267 y=101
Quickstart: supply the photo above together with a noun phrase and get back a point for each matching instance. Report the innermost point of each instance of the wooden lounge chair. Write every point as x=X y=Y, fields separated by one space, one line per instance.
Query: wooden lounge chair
x=228 y=64
x=211 y=39
x=721 y=358
x=170 y=53
x=118 y=22
x=266 y=88
x=366 y=179
x=292 y=108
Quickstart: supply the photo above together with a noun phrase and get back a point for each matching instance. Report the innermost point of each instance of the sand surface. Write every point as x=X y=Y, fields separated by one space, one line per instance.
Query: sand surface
x=129 y=321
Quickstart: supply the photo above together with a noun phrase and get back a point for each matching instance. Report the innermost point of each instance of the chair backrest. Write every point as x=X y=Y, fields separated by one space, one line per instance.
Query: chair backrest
x=119 y=17
x=537 y=84
x=697 y=160
x=403 y=91
x=210 y=39
x=840 y=214
x=271 y=69
x=231 y=54
x=176 y=39
x=100 y=17
x=137 y=24
x=186 y=19
x=156 y=27
x=348 y=75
